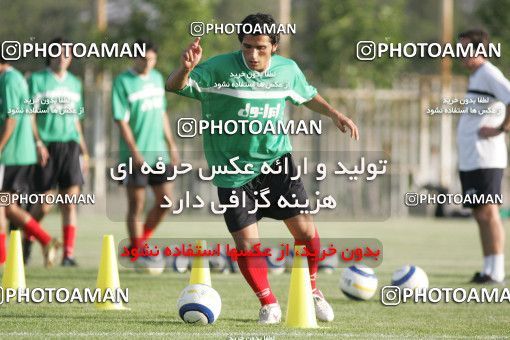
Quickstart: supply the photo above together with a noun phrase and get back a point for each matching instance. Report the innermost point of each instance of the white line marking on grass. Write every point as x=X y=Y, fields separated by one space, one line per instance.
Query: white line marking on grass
x=233 y=334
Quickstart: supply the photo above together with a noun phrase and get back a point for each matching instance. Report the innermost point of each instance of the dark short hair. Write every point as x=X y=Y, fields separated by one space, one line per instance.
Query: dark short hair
x=260 y=19
x=149 y=45
x=476 y=36
x=57 y=40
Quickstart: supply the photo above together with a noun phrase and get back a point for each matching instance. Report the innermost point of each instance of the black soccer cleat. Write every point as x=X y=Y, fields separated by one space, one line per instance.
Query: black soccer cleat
x=69 y=262
x=484 y=279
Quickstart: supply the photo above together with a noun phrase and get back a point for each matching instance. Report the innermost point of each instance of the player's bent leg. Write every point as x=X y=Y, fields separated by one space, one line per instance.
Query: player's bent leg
x=69 y=227
x=38 y=211
x=156 y=213
x=136 y=201
x=254 y=270
x=22 y=219
x=305 y=233
x=492 y=235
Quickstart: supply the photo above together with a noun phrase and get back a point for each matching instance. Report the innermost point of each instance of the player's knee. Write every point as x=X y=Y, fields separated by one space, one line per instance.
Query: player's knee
x=484 y=214
x=244 y=243
x=66 y=209
x=306 y=235
x=45 y=209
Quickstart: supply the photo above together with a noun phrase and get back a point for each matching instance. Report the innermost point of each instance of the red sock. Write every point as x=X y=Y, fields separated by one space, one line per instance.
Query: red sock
x=147 y=233
x=34 y=228
x=313 y=262
x=2 y=248
x=254 y=270
x=136 y=242
x=69 y=239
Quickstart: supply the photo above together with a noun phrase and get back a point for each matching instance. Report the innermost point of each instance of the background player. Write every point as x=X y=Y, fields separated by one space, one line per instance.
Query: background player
x=17 y=159
x=483 y=153
x=139 y=109
x=58 y=94
x=256 y=62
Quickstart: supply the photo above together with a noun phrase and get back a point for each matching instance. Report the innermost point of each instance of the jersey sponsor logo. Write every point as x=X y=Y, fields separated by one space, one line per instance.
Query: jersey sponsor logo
x=265 y=111
x=151 y=98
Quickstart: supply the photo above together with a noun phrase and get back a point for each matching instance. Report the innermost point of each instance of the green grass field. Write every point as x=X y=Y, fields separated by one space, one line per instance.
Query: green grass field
x=447 y=250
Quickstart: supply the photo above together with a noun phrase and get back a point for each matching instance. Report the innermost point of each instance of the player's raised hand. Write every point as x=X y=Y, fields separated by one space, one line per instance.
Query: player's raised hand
x=342 y=122
x=192 y=55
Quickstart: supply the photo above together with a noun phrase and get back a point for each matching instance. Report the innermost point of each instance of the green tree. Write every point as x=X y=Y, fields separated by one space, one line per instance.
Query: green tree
x=494 y=16
x=334 y=29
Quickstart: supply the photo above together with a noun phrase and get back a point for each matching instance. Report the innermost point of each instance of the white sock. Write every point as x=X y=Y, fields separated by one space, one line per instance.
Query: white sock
x=487 y=265
x=498 y=267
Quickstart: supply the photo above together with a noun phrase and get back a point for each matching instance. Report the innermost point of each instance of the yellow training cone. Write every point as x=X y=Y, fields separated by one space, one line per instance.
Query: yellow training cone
x=108 y=274
x=300 y=307
x=200 y=272
x=14 y=270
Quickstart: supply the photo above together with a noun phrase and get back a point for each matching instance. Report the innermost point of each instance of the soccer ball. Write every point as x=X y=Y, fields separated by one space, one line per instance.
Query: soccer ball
x=329 y=264
x=410 y=276
x=358 y=283
x=273 y=265
x=179 y=264
x=219 y=264
x=153 y=265
x=199 y=303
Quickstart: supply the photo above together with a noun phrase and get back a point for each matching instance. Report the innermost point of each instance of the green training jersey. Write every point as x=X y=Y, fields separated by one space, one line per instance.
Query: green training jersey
x=20 y=149
x=229 y=90
x=140 y=101
x=57 y=104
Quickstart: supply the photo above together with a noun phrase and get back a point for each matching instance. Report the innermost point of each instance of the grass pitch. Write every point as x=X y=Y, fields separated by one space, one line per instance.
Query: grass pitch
x=448 y=251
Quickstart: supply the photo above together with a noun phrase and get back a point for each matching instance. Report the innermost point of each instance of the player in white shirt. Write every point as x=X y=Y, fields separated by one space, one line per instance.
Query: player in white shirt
x=483 y=153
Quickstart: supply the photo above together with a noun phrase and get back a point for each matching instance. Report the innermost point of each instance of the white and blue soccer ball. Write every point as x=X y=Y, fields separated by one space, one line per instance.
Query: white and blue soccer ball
x=181 y=264
x=273 y=265
x=199 y=304
x=358 y=283
x=410 y=276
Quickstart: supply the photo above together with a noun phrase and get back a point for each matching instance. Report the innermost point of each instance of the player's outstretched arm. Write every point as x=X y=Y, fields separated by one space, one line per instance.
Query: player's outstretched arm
x=320 y=105
x=190 y=58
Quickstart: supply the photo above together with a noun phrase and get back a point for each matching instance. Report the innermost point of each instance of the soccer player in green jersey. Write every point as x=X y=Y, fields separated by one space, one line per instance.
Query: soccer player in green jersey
x=139 y=109
x=17 y=159
x=257 y=64
x=58 y=107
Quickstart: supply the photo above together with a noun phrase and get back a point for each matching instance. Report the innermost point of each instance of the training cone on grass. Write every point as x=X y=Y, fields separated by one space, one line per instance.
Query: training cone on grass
x=108 y=274
x=14 y=270
x=300 y=307
x=200 y=272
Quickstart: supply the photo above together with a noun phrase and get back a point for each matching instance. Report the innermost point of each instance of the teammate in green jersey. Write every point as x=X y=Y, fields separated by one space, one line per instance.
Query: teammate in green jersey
x=139 y=109
x=17 y=159
x=58 y=108
x=247 y=95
